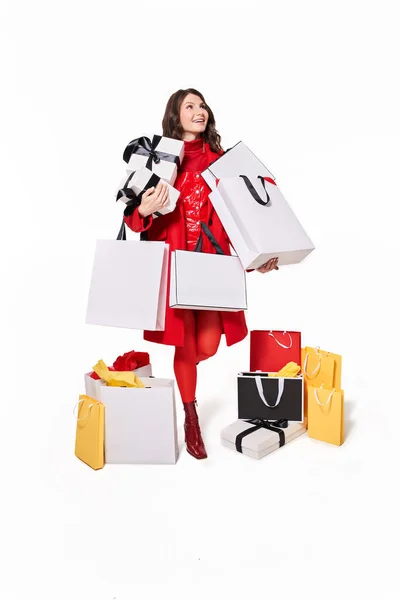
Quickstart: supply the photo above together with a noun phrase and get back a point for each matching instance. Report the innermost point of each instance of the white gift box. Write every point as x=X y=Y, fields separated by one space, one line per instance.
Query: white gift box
x=166 y=149
x=239 y=160
x=91 y=384
x=258 y=441
x=140 y=423
x=260 y=223
x=141 y=180
x=129 y=285
x=205 y=281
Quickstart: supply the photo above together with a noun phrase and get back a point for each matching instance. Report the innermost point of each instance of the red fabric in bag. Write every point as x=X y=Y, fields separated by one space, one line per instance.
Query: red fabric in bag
x=272 y=350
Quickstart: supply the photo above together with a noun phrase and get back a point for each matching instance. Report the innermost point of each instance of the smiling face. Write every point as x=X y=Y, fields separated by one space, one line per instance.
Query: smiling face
x=193 y=117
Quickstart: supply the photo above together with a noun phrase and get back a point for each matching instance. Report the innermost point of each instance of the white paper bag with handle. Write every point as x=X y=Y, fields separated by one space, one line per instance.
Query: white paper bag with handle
x=129 y=284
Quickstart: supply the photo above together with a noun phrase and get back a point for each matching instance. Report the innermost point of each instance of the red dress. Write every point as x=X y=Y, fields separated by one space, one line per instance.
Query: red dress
x=181 y=229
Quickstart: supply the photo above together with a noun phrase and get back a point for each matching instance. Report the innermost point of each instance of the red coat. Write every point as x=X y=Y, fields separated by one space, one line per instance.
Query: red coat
x=179 y=230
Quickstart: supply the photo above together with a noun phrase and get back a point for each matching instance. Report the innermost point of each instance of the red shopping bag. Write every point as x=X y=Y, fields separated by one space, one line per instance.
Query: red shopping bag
x=271 y=350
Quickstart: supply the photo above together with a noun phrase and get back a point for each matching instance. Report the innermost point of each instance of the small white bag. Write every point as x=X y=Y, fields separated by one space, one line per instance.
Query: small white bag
x=203 y=281
x=129 y=285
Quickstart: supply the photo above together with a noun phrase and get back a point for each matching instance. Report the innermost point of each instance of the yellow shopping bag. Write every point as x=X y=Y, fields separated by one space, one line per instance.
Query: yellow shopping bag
x=319 y=368
x=89 y=443
x=326 y=414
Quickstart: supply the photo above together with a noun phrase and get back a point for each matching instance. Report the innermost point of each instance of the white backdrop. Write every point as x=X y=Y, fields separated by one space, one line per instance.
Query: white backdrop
x=312 y=88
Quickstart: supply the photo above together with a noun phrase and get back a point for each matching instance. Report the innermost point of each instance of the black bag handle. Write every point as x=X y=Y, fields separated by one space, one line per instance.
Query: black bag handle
x=253 y=191
x=210 y=235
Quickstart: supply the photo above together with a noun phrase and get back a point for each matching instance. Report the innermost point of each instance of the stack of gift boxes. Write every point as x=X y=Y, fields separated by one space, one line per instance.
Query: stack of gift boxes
x=288 y=390
x=132 y=282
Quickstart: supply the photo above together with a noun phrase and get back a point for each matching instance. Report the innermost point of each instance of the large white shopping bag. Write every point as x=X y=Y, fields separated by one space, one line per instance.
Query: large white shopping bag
x=259 y=221
x=129 y=285
x=140 y=423
x=256 y=216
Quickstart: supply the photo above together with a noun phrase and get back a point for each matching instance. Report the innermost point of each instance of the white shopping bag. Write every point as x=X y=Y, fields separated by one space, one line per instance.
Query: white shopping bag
x=129 y=285
x=205 y=281
x=259 y=230
x=259 y=222
x=140 y=423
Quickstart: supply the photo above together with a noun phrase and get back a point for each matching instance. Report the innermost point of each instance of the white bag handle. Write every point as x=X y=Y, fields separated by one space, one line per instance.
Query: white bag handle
x=317 y=368
x=281 y=385
x=329 y=397
x=282 y=345
x=88 y=412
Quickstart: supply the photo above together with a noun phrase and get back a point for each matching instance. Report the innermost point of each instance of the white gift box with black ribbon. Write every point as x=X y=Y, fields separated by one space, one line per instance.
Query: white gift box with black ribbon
x=205 y=281
x=134 y=186
x=256 y=216
x=91 y=384
x=129 y=284
x=160 y=154
x=140 y=423
x=257 y=438
x=270 y=398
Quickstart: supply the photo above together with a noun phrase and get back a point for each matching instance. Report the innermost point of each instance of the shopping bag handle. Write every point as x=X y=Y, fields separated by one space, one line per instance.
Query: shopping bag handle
x=210 y=235
x=88 y=412
x=122 y=231
x=254 y=192
x=329 y=397
x=279 y=343
x=281 y=386
x=315 y=372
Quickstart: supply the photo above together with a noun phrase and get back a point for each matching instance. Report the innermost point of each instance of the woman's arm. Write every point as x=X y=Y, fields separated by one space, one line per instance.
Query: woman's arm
x=153 y=200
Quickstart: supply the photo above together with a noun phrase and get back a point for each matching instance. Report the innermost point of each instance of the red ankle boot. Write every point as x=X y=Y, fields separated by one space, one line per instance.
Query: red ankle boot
x=193 y=439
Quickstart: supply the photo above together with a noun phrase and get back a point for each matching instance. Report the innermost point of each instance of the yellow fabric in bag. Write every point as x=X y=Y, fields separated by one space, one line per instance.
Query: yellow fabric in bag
x=291 y=369
x=89 y=442
x=326 y=415
x=117 y=378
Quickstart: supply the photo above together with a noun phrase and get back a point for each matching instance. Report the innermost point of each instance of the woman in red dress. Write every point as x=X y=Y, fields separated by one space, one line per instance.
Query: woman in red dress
x=196 y=334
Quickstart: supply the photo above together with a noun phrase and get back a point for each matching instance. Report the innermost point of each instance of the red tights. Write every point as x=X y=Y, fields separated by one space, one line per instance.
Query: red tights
x=203 y=330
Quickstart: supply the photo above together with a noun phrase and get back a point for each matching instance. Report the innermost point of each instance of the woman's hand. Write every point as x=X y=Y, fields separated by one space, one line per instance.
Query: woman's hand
x=271 y=265
x=154 y=199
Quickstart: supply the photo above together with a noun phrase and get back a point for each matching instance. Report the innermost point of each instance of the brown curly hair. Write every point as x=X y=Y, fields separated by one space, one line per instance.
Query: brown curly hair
x=171 y=123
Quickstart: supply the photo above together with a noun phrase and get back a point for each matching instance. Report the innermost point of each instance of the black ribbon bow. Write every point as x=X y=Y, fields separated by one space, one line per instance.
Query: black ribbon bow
x=144 y=147
x=275 y=426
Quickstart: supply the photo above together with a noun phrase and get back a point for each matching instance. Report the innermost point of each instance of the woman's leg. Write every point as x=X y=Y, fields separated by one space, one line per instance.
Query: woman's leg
x=208 y=333
x=185 y=360
x=186 y=377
